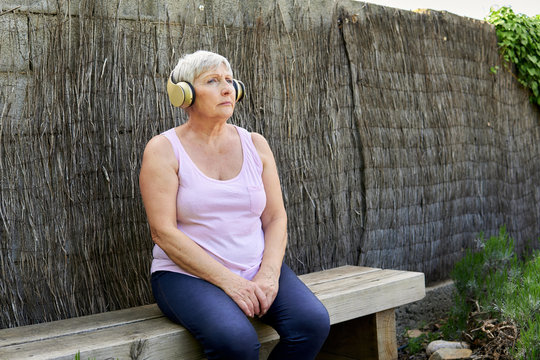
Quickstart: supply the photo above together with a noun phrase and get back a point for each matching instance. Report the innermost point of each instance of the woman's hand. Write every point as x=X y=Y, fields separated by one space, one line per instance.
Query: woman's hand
x=268 y=281
x=248 y=295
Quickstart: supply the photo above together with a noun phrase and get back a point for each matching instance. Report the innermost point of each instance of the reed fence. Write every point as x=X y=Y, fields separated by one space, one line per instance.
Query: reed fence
x=395 y=144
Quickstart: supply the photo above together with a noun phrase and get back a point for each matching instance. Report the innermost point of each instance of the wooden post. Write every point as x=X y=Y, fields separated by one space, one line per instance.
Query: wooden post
x=372 y=337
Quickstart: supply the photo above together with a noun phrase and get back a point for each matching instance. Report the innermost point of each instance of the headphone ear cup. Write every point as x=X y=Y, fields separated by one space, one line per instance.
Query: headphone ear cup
x=181 y=94
x=240 y=89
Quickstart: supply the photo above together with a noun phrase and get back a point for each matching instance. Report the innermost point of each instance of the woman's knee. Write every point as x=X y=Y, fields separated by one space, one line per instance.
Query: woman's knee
x=298 y=313
x=302 y=336
x=321 y=321
x=316 y=322
x=235 y=341
x=312 y=325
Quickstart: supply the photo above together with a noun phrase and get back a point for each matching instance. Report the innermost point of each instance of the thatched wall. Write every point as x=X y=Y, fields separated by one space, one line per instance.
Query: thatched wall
x=396 y=145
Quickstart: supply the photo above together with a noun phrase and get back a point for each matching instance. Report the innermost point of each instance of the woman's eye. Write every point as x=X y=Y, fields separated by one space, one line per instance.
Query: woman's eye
x=229 y=81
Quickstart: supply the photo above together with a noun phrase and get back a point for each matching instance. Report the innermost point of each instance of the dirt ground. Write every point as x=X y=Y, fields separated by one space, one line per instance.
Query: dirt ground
x=488 y=339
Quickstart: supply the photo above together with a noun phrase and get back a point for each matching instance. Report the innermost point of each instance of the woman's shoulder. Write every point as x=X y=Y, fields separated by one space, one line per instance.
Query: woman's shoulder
x=159 y=147
x=262 y=146
x=258 y=140
x=159 y=141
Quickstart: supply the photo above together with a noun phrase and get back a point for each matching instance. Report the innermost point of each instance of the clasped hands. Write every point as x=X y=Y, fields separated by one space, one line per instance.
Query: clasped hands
x=253 y=297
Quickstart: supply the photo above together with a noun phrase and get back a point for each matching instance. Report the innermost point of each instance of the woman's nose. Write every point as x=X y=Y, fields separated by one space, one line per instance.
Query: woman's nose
x=227 y=88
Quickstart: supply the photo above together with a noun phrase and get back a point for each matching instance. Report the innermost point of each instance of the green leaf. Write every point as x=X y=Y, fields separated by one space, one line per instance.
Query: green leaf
x=519 y=43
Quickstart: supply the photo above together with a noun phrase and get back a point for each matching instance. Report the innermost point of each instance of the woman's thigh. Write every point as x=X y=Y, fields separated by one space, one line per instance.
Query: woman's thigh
x=208 y=313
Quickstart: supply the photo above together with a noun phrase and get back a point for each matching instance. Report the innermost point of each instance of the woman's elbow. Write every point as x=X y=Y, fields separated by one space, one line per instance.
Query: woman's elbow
x=277 y=219
x=160 y=235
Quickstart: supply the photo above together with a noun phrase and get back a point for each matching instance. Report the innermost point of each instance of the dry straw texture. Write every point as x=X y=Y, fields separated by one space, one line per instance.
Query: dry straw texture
x=395 y=144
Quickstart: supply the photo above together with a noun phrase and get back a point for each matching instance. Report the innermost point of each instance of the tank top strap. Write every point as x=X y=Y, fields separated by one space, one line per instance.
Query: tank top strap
x=175 y=142
x=250 y=151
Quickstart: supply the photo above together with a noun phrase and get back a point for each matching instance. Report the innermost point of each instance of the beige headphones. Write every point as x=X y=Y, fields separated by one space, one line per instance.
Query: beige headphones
x=182 y=93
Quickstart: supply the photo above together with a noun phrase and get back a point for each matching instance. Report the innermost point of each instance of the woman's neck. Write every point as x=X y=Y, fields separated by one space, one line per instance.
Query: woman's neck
x=206 y=132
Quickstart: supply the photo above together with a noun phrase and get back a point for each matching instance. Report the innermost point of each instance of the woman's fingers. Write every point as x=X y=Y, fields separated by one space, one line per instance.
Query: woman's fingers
x=246 y=306
x=263 y=301
x=258 y=302
x=269 y=286
x=253 y=297
x=248 y=296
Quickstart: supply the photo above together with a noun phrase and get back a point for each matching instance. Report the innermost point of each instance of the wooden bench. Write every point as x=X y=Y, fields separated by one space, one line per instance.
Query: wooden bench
x=360 y=302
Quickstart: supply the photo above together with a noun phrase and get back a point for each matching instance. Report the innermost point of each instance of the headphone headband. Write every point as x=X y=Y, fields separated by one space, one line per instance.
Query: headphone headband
x=182 y=93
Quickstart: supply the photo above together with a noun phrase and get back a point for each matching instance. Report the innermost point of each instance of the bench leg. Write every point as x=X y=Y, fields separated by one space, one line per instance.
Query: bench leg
x=366 y=338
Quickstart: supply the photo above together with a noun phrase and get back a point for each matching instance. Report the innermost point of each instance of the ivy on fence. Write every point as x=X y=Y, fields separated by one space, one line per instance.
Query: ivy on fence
x=519 y=41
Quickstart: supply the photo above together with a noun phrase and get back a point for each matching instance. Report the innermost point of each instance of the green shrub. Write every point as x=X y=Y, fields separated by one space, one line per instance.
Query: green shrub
x=480 y=277
x=78 y=356
x=415 y=345
x=521 y=305
x=493 y=282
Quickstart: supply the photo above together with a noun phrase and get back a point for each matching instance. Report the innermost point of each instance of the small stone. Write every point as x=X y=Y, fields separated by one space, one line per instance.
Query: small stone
x=412 y=334
x=451 y=354
x=443 y=344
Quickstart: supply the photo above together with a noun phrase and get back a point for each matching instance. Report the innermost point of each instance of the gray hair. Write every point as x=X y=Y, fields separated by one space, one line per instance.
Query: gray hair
x=190 y=66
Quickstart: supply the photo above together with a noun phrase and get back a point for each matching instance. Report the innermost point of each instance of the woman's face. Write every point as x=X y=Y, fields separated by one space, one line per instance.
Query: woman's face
x=214 y=94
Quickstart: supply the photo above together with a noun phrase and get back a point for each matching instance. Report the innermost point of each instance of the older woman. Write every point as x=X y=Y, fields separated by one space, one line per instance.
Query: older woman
x=214 y=205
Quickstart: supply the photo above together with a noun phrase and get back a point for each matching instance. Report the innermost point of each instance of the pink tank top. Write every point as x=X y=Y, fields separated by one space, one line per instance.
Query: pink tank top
x=223 y=217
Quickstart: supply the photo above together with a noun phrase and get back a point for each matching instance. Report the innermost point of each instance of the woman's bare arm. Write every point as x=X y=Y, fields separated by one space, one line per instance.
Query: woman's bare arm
x=274 y=222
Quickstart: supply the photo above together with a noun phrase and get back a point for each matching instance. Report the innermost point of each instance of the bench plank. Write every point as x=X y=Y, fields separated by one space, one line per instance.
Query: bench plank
x=81 y=324
x=113 y=340
x=348 y=293
x=366 y=294
x=157 y=338
x=341 y=272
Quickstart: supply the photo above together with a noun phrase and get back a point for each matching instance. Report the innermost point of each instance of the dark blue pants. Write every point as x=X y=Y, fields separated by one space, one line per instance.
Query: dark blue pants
x=224 y=330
